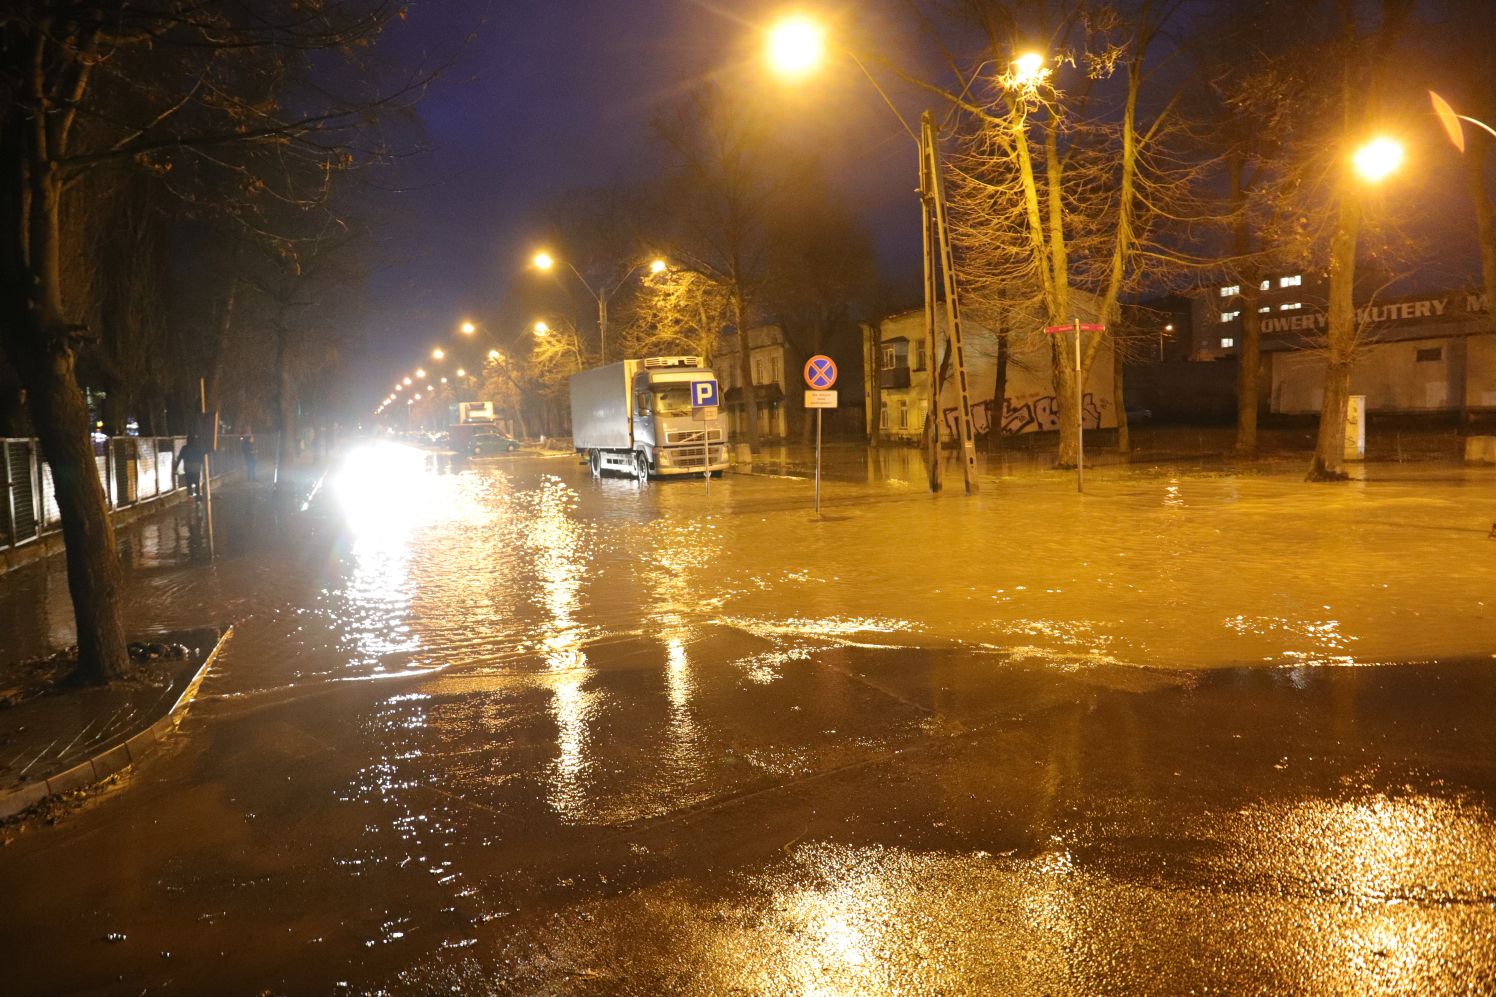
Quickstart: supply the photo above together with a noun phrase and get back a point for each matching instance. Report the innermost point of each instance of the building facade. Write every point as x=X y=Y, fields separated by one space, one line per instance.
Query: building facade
x=1028 y=406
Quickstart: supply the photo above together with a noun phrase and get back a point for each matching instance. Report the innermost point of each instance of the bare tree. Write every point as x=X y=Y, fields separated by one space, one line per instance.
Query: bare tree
x=1068 y=185
x=174 y=86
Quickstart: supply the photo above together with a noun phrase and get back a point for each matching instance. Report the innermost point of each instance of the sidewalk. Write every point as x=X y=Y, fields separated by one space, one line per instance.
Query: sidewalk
x=55 y=737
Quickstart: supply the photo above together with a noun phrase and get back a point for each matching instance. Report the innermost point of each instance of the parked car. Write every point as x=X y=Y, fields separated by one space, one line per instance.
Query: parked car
x=483 y=444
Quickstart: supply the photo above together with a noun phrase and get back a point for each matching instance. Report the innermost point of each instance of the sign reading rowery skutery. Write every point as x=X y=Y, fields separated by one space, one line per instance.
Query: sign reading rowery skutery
x=1455 y=306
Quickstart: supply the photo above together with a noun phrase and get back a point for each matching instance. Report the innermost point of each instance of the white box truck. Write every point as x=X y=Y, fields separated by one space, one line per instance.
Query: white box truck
x=640 y=417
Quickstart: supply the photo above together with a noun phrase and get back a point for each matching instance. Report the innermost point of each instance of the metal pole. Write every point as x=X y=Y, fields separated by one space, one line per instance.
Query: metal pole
x=965 y=425
x=207 y=483
x=602 y=327
x=1080 y=419
x=818 y=462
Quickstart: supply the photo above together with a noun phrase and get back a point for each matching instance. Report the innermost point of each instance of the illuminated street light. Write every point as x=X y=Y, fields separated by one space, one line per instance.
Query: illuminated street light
x=1028 y=69
x=438 y=353
x=1378 y=159
x=406 y=382
x=468 y=328
x=444 y=380
x=544 y=261
x=428 y=387
x=541 y=328
x=461 y=372
x=657 y=266
x=418 y=396
x=796 y=46
x=420 y=373
x=494 y=354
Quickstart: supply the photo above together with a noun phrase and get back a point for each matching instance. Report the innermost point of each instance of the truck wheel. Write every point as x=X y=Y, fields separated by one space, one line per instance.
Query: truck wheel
x=641 y=467
x=595 y=463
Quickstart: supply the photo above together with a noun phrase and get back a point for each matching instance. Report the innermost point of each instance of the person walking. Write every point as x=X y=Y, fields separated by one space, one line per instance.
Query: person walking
x=190 y=457
x=247 y=445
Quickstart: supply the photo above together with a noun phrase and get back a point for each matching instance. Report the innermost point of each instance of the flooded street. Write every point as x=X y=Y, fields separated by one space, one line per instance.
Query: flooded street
x=505 y=728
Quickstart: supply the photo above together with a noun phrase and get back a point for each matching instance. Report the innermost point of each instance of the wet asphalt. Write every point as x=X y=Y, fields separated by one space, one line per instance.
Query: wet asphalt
x=505 y=729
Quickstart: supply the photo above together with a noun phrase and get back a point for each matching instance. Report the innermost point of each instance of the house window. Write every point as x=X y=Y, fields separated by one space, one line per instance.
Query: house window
x=888 y=358
x=1290 y=306
x=758 y=372
x=1431 y=355
x=1228 y=316
x=883 y=417
x=903 y=413
x=1230 y=290
x=1292 y=280
x=1264 y=309
x=775 y=365
x=919 y=355
x=1264 y=285
x=1227 y=343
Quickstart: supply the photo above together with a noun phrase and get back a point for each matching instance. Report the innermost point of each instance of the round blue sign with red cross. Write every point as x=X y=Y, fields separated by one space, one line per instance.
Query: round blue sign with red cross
x=820 y=372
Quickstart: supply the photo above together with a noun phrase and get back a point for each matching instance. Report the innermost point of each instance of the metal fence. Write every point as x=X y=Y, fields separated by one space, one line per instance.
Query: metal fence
x=134 y=470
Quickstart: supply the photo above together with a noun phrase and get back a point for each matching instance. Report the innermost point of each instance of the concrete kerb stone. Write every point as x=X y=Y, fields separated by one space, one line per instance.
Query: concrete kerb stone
x=116 y=757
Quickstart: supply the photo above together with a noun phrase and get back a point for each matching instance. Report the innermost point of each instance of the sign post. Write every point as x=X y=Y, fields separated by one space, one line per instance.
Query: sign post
x=820 y=376
x=704 y=400
x=1077 y=326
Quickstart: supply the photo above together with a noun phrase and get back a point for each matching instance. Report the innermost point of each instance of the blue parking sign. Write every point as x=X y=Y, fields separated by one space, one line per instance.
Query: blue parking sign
x=703 y=394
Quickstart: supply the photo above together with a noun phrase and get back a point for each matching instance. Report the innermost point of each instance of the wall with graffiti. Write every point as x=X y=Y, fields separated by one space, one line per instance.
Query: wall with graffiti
x=1033 y=414
x=1030 y=405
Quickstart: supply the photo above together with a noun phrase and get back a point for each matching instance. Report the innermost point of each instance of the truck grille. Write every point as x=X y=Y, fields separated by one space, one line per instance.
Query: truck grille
x=694 y=436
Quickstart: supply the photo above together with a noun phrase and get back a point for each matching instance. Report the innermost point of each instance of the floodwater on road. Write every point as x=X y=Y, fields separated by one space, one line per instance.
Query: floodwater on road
x=505 y=728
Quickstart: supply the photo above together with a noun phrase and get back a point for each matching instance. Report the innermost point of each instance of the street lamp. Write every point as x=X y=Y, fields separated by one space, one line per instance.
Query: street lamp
x=438 y=353
x=796 y=46
x=541 y=329
x=420 y=374
x=405 y=381
x=461 y=372
x=468 y=328
x=1378 y=158
x=545 y=261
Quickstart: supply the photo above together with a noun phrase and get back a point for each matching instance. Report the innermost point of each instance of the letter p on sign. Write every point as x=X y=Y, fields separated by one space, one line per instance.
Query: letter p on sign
x=703 y=394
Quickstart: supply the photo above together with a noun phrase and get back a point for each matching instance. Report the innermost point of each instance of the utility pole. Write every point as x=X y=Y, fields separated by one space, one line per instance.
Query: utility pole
x=932 y=189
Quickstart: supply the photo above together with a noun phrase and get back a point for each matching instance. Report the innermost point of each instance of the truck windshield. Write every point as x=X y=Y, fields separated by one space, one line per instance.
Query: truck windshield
x=672 y=400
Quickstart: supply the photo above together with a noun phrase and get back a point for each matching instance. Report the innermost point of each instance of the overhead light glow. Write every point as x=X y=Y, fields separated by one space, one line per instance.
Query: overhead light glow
x=796 y=46
x=1379 y=158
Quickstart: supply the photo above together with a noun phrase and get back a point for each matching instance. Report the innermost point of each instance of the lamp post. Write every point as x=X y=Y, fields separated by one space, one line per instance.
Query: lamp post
x=795 y=47
x=546 y=262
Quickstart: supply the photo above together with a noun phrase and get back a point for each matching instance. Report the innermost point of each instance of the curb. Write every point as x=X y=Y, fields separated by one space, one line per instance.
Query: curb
x=117 y=757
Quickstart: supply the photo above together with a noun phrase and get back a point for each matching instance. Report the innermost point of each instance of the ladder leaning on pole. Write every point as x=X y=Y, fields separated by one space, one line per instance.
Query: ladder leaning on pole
x=933 y=191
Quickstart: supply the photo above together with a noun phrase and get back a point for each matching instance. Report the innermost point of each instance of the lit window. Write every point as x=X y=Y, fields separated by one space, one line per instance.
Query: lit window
x=1264 y=285
x=1264 y=309
x=1230 y=290
x=1227 y=343
x=1228 y=316
x=1290 y=306
x=1292 y=280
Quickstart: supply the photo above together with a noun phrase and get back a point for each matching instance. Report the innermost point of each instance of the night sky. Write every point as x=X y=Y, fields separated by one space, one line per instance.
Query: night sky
x=545 y=96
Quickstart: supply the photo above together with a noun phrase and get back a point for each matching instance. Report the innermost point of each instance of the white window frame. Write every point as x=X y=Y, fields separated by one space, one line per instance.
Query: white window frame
x=1229 y=316
x=1292 y=280
x=1227 y=342
x=1230 y=290
x=1265 y=285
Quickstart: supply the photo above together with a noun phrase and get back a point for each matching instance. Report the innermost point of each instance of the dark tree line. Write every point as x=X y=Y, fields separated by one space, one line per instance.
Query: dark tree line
x=130 y=133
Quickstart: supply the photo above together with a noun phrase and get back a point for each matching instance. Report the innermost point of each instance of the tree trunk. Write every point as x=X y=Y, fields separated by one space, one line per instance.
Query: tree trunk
x=1124 y=437
x=874 y=366
x=39 y=342
x=745 y=367
x=1329 y=448
x=1485 y=228
x=999 y=391
x=1068 y=395
x=1249 y=353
